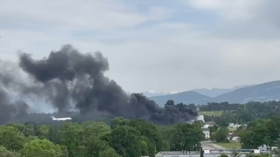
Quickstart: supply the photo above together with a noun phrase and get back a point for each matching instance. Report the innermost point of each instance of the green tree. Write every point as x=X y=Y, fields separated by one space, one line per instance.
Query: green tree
x=126 y=141
x=147 y=147
x=257 y=155
x=96 y=129
x=55 y=135
x=186 y=137
x=11 y=138
x=65 y=152
x=262 y=135
x=150 y=131
x=72 y=138
x=213 y=128
x=225 y=118
x=274 y=127
x=29 y=129
x=221 y=134
x=235 y=153
x=42 y=131
x=41 y=148
x=6 y=153
x=30 y=138
x=244 y=116
x=223 y=155
x=93 y=138
x=118 y=121
x=94 y=146
x=20 y=127
x=109 y=152
x=165 y=133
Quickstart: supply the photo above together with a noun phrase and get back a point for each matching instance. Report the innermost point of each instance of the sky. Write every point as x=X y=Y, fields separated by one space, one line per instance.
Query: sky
x=158 y=45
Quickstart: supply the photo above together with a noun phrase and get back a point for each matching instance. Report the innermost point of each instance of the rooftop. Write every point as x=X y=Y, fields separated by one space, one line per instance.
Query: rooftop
x=177 y=152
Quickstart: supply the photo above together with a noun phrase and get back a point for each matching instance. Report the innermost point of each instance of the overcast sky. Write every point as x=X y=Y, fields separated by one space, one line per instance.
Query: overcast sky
x=159 y=45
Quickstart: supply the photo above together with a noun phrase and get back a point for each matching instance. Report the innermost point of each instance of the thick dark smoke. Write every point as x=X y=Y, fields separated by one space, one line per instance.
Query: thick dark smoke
x=8 y=109
x=68 y=79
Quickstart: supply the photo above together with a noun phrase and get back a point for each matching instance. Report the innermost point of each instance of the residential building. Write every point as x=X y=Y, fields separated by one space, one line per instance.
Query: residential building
x=207 y=153
x=233 y=127
x=210 y=124
x=233 y=137
x=200 y=118
x=206 y=132
x=264 y=148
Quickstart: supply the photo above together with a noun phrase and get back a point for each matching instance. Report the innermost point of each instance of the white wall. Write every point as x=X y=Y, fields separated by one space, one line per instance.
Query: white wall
x=201 y=118
x=207 y=134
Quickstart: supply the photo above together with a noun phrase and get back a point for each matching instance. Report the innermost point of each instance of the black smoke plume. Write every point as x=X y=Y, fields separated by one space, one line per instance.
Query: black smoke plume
x=68 y=79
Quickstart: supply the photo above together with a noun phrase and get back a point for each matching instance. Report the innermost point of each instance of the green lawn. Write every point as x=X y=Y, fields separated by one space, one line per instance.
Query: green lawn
x=211 y=113
x=232 y=145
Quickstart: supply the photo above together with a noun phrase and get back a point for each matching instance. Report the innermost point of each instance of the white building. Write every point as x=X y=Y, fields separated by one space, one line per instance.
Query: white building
x=264 y=148
x=210 y=124
x=233 y=137
x=207 y=153
x=233 y=127
x=200 y=118
x=206 y=132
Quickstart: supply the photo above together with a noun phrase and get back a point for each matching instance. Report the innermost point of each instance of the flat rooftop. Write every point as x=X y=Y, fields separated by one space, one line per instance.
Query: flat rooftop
x=212 y=152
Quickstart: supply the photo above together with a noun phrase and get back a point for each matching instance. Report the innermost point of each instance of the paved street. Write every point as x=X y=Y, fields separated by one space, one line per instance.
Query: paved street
x=209 y=145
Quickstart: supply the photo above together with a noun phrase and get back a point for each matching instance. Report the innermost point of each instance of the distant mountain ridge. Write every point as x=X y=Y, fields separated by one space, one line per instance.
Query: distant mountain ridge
x=241 y=94
x=187 y=97
x=207 y=92
x=152 y=94
x=212 y=92
x=262 y=92
x=217 y=91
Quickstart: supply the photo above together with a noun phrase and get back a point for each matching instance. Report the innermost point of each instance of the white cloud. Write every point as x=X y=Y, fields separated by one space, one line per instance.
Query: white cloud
x=82 y=14
x=230 y=9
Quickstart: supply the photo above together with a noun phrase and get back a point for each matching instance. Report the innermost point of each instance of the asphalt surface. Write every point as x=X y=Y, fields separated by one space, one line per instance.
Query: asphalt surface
x=209 y=145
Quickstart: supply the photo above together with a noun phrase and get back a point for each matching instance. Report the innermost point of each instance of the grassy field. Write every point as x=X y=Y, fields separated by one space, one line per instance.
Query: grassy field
x=232 y=145
x=210 y=113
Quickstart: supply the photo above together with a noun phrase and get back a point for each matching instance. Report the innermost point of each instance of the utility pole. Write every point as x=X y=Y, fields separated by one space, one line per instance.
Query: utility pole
x=201 y=152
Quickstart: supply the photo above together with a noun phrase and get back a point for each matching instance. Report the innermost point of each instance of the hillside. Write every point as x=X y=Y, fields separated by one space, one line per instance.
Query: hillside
x=214 y=92
x=153 y=94
x=261 y=92
x=184 y=97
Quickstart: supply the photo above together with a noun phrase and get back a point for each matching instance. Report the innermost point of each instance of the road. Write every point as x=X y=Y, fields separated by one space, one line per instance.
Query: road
x=209 y=145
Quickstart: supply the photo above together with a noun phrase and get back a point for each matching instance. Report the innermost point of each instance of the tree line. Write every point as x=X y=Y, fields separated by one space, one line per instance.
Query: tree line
x=240 y=113
x=258 y=109
x=120 y=138
x=261 y=131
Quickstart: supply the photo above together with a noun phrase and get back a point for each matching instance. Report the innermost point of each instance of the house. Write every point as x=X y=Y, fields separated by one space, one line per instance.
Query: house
x=206 y=132
x=233 y=137
x=200 y=118
x=206 y=129
x=233 y=127
x=264 y=148
x=210 y=124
